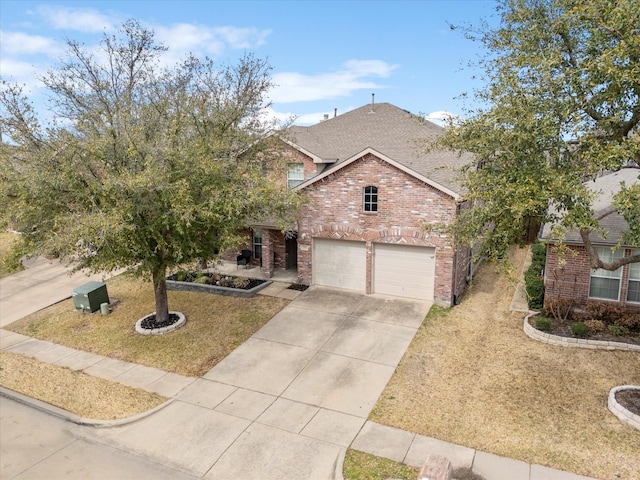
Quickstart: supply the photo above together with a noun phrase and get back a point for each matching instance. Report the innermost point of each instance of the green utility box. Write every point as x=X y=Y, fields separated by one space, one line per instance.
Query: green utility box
x=89 y=296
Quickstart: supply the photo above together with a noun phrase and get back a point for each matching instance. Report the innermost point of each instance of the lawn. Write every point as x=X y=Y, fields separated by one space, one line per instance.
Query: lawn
x=6 y=240
x=86 y=396
x=215 y=326
x=472 y=377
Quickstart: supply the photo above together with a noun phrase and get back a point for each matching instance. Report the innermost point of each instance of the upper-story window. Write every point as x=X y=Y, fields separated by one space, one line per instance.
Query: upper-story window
x=295 y=174
x=370 y=199
x=605 y=283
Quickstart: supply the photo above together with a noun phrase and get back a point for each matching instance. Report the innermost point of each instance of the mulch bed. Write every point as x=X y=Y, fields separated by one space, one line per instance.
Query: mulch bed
x=149 y=322
x=298 y=287
x=629 y=399
x=229 y=281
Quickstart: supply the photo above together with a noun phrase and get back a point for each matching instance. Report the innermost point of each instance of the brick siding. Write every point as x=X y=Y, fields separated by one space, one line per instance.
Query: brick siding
x=409 y=212
x=572 y=279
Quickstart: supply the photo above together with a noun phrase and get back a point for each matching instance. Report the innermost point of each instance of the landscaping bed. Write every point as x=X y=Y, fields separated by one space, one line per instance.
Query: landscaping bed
x=584 y=325
x=629 y=399
x=207 y=282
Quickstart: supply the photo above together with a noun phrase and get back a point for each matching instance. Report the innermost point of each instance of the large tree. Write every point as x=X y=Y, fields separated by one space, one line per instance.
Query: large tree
x=142 y=167
x=561 y=105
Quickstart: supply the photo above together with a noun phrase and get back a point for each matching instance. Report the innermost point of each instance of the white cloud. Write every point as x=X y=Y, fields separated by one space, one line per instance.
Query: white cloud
x=440 y=117
x=185 y=37
x=23 y=73
x=19 y=43
x=82 y=20
x=297 y=87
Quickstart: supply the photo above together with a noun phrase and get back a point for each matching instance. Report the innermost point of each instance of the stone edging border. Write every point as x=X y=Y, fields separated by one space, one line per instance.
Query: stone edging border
x=544 y=337
x=619 y=411
x=72 y=417
x=231 y=292
x=160 y=331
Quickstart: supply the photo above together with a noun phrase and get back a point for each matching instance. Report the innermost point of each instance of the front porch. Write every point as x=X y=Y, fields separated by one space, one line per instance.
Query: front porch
x=226 y=267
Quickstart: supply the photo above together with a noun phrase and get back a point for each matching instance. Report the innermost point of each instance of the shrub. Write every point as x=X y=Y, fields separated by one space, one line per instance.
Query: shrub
x=605 y=311
x=534 y=283
x=240 y=282
x=617 y=330
x=538 y=252
x=560 y=308
x=579 y=329
x=630 y=321
x=202 y=279
x=595 y=326
x=543 y=323
x=535 y=291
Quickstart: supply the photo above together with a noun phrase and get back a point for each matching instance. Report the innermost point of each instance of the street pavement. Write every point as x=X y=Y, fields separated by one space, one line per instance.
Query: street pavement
x=36 y=446
x=285 y=404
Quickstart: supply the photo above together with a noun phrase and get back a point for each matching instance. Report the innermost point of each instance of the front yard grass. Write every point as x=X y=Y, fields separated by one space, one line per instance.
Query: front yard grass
x=7 y=239
x=472 y=377
x=86 y=396
x=363 y=466
x=215 y=326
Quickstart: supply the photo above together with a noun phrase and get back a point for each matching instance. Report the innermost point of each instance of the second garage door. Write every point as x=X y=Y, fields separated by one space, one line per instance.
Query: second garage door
x=404 y=270
x=339 y=263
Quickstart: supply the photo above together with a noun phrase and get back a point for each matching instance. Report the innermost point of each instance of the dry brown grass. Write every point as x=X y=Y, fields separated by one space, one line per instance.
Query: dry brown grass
x=86 y=396
x=215 y=326
x=7 y=239
x=473 y=378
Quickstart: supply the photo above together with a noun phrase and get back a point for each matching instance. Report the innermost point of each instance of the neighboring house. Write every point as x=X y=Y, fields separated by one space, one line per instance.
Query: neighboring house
x=572 y=278
x=376 y=204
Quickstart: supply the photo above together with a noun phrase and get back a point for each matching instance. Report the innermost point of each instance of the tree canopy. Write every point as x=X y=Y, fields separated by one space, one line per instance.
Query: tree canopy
x=143 y=166
x=561 y=105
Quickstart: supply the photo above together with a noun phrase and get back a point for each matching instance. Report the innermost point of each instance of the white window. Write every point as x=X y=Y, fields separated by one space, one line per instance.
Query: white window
x=295 y=174
x=257 y=243
x=604 y=283
x=633 y=289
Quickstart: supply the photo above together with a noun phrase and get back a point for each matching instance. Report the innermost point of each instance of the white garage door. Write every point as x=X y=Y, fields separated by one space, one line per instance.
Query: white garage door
x=404 y=270
x=339 y=263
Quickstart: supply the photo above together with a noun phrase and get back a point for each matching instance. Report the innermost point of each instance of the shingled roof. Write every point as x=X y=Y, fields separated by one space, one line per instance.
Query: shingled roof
x=385 y=128
x=605 y=187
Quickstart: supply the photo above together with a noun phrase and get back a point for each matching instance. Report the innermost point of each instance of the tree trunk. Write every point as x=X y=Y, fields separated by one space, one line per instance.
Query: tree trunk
x=160 y=292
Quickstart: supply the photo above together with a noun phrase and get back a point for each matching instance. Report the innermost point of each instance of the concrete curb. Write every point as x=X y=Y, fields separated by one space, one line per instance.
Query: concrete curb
x=557 y=340
x=72 y=417
x=619 y=411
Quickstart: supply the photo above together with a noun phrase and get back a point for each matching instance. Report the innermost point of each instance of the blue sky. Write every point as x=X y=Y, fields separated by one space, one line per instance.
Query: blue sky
x=325 y=55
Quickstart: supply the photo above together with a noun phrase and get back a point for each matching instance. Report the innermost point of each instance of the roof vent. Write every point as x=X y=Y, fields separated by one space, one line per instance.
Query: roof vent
x=326 y=116
x=373 y=109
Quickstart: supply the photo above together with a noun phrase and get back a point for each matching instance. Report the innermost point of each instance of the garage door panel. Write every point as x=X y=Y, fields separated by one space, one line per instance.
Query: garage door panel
x=404 y=270
x=339 y=263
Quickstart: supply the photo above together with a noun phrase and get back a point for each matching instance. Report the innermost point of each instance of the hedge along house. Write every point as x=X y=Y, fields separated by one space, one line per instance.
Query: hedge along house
x=571 y=278
x=375 y=210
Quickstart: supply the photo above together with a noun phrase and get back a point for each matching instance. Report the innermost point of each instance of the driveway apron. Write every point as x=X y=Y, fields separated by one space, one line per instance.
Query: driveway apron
x=289 y=401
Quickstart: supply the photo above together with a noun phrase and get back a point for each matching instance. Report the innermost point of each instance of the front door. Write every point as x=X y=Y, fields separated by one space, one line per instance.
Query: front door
x=292 y=253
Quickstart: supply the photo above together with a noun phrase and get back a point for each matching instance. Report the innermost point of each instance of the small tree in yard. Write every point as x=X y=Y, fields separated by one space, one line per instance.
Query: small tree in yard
x=143 y=167
x=562 y=105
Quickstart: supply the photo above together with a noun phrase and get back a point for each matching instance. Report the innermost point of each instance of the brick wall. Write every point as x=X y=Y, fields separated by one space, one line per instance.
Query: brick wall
x=409 y=212
x=570 y=278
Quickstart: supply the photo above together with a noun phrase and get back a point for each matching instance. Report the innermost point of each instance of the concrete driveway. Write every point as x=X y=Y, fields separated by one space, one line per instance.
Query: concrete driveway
x=289 y=401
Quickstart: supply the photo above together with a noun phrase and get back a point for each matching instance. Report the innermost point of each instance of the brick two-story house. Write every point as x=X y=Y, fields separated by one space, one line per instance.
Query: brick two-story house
x=376 y=206
x=572 y=278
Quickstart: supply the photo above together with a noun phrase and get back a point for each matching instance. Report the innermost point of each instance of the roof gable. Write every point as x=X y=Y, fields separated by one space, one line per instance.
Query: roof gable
x=367 y=151
x=394 y=133
x=604 y=188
